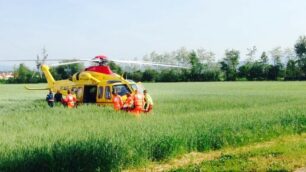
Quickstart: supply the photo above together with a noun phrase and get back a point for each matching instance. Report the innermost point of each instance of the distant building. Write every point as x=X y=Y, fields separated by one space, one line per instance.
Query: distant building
x=6 y=75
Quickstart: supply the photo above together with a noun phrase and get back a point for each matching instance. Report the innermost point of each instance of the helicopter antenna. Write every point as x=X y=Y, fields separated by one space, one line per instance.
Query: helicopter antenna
x=37 y=66
x=45 y=55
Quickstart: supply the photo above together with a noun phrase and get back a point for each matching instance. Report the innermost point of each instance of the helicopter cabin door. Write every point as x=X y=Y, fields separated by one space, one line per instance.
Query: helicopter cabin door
x=108 y=94
x=90 y=93
x=104 y=95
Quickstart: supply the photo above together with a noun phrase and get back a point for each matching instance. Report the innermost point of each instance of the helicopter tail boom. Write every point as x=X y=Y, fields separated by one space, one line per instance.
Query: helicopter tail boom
x=48 y=75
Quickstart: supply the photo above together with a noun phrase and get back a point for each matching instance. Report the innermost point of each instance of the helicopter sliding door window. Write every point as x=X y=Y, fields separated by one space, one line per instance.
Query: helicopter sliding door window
x=100 y=93
x=107 y=93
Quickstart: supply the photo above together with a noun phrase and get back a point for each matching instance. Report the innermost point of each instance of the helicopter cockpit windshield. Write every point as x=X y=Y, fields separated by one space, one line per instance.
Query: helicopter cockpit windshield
x=121 y=89
x=136 y=86
x=133 y=86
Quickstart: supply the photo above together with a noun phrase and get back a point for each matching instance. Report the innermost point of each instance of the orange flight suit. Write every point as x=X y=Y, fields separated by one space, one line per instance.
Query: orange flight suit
x=128 y=105
x=70 y=100
x=138 y=103
x=117 y=102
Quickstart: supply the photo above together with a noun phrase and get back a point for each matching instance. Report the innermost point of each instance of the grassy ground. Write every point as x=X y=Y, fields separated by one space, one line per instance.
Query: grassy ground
x=281 y=154
x=187 y=117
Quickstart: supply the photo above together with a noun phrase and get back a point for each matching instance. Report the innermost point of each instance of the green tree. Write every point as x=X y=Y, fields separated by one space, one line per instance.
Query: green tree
x=66 y=71
x=229 y=64
x=205 y=57
x=264 y=58
x=135 y=75
x=251 y=52
x=273 y=71
x=258 y=71
x=170 y=75
x=300 y=46
x=247 y=70
x=211 y=72
x=22 y=74
x=264 y=61
x=276 y=71
x=244 y=71
x=300 y=50
x=149 y=75
x=292 y=70
x=115 y=68
x=196 y=67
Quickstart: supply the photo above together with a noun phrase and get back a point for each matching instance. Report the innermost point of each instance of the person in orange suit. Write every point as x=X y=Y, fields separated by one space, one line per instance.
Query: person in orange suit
x=117 y=100
x=129 y=103
x=138 y=103
x=70 y=100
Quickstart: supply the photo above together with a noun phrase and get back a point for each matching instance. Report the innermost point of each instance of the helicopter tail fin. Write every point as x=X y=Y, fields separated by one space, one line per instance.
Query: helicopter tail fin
x=48 y=75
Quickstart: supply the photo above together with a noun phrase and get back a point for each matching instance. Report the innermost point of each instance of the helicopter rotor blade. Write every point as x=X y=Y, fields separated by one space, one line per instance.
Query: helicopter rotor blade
x=44 y=58
x=97 y=61
x=66 y=63
x=32 y=60
x=34 y=72
x=149 y=63
x=27 y=60
x=40 y=73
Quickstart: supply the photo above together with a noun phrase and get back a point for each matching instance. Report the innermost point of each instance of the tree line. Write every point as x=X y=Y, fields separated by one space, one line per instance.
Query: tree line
x=277 y=64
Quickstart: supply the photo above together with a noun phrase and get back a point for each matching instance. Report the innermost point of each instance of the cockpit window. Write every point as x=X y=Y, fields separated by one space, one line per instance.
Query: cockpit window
x=134 y=87
x=121 y=89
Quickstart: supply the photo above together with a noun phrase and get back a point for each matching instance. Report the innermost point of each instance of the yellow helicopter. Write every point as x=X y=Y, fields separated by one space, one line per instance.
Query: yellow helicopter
x=96 y=83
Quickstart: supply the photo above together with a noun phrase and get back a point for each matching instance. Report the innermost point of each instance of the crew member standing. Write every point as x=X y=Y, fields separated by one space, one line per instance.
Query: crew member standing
x=117 y=100
x=58 y=97
x=50 y=99
x=128 y=104
x=70 y=100
x=148 y=101
x=138 y=103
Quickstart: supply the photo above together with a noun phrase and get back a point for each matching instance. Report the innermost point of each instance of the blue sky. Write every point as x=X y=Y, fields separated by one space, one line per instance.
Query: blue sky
x=124 y=29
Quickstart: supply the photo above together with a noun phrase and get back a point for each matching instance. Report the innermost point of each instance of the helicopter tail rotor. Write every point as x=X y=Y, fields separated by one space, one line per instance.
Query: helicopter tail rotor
x=39 y=62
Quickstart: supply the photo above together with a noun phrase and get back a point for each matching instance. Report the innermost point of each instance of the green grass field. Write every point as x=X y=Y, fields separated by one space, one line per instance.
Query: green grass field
x=187 y=117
